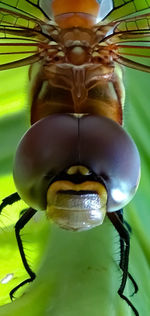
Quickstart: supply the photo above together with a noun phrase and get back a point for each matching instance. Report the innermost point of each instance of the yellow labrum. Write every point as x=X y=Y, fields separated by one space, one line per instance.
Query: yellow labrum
x=76 y=206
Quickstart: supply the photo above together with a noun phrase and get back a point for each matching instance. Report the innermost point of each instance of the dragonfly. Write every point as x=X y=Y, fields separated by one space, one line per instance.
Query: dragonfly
x=76 y=162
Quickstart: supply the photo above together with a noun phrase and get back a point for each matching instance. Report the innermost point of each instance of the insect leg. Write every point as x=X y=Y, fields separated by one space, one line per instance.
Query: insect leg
x=120 y=215
x=19 y=225
x=124 y=261
x=9 y=200
x=120 y=93
x=127 y=226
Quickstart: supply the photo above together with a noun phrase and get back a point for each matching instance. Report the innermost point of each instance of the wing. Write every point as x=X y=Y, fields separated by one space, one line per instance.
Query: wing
x=21 y=34
x=133 y=56
x=122 y=8
x=129 y=42
x=32 y=8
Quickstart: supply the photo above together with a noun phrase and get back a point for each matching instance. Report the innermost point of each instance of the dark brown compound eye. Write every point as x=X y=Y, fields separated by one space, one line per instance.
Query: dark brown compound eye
x=46 y=149
x=60 y=141
x=111 y=154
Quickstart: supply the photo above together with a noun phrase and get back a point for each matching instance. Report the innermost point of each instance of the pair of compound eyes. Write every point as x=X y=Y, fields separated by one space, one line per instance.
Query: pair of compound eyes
x=55 y=144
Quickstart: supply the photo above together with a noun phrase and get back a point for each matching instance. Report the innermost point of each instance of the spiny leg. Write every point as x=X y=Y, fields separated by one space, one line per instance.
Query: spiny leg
x=124 y=235
x=9 y=200
x=122 y=249
x=19 y=225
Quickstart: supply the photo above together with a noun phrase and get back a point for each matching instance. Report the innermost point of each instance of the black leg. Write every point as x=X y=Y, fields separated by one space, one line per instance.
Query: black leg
x=124 y=261
x=9 y=200
x=120 y=213
x=23 y=211
x=127 y=226
x=122 y=249
x=19 y=225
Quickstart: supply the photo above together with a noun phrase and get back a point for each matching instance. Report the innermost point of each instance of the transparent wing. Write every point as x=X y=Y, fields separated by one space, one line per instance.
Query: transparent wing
x=21 y=34
x=122 y=8
x=136 y=51
x=8 y=17
x=131 y=48
x=18 y=43
x=31 y=8
x=130 y=41
x=134 y=56
x=19 y=53
x=138 y=23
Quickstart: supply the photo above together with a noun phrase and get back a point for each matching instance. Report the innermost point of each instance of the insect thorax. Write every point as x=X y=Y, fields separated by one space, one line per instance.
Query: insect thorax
x=76 y=75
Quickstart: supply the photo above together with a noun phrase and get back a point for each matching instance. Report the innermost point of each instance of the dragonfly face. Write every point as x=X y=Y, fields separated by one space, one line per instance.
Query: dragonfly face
x=82 y=165
x=47 y=175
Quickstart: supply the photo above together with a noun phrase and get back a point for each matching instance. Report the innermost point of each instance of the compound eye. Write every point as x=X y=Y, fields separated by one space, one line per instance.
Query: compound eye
x=110 y=152
x=47 y=148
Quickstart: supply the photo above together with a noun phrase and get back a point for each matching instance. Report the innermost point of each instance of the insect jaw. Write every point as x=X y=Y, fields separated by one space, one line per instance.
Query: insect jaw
x=76 y=207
